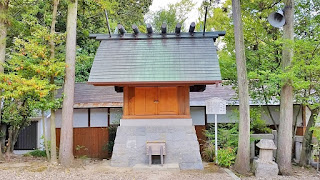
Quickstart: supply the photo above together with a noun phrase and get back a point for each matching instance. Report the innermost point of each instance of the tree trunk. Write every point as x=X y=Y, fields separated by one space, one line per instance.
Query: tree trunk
x=284 y=150
x=53 y=112
x=53 y=144
x=242 y=164
x=307 y=139
x=66 y=141
x=44 y=135
x=15 y=134
x=3 y=37
x=9 y=141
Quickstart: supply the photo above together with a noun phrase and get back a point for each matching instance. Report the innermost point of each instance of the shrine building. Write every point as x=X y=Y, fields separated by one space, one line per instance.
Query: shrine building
x=156 y=72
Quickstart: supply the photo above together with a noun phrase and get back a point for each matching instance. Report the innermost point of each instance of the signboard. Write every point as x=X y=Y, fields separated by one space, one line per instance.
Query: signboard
x=216 y=106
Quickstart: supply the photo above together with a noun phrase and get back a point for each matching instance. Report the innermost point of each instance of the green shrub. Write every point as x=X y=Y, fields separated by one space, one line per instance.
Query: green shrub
x=258 y=125
x=208 y=152
x=37 y=153
x=227 y=135
x=226 y=157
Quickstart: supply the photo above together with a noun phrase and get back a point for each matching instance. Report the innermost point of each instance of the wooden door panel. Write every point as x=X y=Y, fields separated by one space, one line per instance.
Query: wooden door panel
x=144 y=101
x=168 y=101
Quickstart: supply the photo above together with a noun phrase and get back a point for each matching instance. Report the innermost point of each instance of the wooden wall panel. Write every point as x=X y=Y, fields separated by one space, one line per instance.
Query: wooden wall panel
x=88 y=142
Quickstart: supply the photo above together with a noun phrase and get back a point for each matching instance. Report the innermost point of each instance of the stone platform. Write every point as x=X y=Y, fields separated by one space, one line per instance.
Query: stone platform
x=182 y=146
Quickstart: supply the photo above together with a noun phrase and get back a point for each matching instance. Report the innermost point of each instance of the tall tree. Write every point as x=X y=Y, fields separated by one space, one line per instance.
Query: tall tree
x=66 y=142
x=173 y=14
x=3 y=36
x=286 y=97
x=53 y=112
x=242 y=164
x=306 y=67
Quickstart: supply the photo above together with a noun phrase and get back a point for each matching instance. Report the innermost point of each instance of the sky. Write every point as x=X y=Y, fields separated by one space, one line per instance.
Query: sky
x=192 y=16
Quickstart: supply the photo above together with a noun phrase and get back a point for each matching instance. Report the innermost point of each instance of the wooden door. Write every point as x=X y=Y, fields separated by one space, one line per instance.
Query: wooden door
x=145 y=98
x=156 y=102
x=167 y=101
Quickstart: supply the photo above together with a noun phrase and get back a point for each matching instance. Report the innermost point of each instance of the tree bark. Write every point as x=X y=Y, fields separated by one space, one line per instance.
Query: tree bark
x=307 y=139
x=10 y=130
x=45 y=142
x=284 y=150
x=242 y=164
x=3 y=37
x=66 y=141
x=53 y=145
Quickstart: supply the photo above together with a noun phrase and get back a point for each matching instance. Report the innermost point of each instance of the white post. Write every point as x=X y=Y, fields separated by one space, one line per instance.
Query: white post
x=216 y=136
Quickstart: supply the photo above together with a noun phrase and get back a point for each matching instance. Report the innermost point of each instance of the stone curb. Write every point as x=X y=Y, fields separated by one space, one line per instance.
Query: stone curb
x=230 y=173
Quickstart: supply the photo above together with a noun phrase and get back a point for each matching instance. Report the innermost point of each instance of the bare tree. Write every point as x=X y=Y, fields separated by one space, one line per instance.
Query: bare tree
x=284 y=150
x=66 y=137
x=242 y=164
x=53 y=144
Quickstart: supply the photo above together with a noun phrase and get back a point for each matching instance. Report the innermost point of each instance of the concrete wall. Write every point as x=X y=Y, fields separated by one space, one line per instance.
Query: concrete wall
x=232 y=115
x=198 y=115
x=99 y=117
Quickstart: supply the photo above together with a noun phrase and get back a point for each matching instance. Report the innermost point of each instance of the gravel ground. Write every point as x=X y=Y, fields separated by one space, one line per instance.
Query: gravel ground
x=298 y=173
x=36 y=168
x=31 y=168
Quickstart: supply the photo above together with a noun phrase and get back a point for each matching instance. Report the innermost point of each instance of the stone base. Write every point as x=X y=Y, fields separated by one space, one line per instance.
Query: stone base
x=182 y=146
x=265 y=170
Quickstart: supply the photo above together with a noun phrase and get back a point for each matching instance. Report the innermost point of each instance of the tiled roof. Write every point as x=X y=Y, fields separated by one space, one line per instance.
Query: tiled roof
x=155 y=60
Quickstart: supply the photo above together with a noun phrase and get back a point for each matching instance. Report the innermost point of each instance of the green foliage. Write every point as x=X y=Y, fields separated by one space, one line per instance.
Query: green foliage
x=258 y=125
x=316 y=133
x=227 y=135
x=37 y=153
x=112 y=136
x=226 y=157
x=79 y=147
x=175 y=13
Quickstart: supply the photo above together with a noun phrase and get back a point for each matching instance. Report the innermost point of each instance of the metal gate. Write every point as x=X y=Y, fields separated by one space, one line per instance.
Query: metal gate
x=27 y=139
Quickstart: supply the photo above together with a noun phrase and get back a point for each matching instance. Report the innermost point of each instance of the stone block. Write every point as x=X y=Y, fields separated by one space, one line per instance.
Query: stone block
x=190 y=157
x=140 y=131
x=186 y=166
x=265 y=170
x=182 y=146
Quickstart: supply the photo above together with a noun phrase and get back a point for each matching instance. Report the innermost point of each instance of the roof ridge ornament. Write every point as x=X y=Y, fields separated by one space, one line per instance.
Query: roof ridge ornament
x=191 y=28
x=178 y=29
x=121 y=30
x=135 y=29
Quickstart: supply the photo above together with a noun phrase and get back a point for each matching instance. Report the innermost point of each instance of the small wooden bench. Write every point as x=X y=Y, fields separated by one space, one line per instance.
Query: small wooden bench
x=156 y=148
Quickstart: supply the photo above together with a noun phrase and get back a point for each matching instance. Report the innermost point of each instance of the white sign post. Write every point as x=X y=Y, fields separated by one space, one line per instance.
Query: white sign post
x=216 y=106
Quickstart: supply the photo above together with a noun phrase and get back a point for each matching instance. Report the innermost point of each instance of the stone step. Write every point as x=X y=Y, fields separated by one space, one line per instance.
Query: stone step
x=171 y=166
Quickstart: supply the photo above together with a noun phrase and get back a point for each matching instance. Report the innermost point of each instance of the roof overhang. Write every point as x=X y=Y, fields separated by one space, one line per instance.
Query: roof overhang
x=152 y=83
